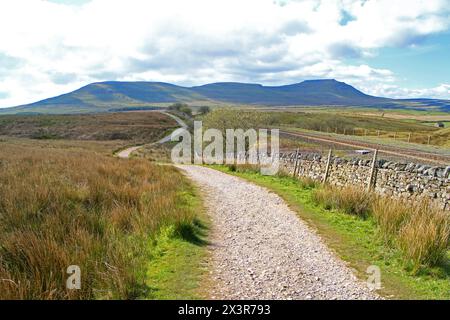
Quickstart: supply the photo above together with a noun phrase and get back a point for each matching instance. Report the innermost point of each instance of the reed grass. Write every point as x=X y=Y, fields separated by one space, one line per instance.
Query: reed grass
x=62 y=207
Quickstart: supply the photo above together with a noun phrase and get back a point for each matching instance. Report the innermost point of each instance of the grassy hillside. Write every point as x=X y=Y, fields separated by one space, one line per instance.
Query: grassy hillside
x=318 y=121
x=442 y=137
x=134 y=127
x=343 y=121
x=112 y=95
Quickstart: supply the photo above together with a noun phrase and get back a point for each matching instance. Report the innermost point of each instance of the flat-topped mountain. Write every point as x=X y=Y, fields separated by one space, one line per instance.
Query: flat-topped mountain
x=114 y=95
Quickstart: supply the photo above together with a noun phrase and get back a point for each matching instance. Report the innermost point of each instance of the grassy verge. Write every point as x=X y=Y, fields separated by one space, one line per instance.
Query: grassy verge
x=177 y=265
x=356 y=241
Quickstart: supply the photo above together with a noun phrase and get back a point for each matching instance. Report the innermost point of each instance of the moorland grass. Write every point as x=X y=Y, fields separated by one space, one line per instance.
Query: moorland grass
x=71 y=207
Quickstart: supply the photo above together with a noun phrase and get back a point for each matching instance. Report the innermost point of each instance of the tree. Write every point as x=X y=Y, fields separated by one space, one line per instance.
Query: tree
x=204 y=110
x=229 y=118
x=178 y=106
x=186 y=110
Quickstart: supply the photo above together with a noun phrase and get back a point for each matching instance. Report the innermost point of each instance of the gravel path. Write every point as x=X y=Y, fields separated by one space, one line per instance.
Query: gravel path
x=124 y=154
x=262 y=250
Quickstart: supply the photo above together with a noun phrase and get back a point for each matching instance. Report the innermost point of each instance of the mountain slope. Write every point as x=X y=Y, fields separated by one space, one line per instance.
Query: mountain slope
x=113 y=95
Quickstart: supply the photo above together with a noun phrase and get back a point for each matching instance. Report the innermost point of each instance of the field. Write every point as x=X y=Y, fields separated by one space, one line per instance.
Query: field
x=409 y=126
x=132 y=127
x=132 y=226
x=317 y=130
x=323 y=121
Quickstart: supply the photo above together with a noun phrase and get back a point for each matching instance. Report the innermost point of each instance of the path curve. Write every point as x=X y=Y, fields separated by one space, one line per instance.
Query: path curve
x=126 y=153
x=262 y=250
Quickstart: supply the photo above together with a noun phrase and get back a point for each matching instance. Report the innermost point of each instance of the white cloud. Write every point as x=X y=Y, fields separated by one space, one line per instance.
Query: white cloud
x=57 y=48
x=440 y=92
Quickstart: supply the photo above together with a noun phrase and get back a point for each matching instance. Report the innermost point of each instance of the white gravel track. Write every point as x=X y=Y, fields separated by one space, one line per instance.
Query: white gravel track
x=262 y=250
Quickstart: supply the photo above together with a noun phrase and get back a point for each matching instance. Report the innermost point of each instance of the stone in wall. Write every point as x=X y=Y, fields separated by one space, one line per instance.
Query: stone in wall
x=395 y=179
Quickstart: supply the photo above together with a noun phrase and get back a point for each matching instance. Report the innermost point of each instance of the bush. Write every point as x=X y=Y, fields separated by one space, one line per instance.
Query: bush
x=204 y=110
x=178 y=106
x=186 y=110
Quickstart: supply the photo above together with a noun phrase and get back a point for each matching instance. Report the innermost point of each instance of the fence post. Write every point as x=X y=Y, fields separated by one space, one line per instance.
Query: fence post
x=409 y=137
x=327 y=169
x=429 y=140
x=373 y=171
x=296 y=162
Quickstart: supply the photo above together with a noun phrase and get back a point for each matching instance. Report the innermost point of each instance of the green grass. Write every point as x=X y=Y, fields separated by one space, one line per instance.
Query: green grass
x=323 y=121
x=433 y=123
x=176 y=267
x=357 y=241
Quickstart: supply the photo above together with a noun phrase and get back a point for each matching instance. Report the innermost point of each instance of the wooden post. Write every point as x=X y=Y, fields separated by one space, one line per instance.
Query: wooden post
x=378 y=133
x=373 y=171
x=429 y=140
x=296 y=163
x=345 y=131
x=395 y=135
x=327 y=169
x=409 y=137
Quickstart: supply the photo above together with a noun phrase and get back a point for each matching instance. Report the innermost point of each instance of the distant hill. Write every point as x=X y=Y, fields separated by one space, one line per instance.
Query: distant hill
x=113 y=96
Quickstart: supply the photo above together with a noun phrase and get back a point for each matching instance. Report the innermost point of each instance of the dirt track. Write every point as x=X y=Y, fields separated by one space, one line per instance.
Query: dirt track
x=127 y=152
x=262 y=250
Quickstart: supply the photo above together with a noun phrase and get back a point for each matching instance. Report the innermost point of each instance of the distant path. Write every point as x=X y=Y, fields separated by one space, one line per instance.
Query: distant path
x=395 y=151
x=262 y=250
x=180 y=122
x=127 y=152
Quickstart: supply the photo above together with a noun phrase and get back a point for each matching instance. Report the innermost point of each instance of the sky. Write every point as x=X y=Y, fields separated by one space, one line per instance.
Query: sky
x=392 y=48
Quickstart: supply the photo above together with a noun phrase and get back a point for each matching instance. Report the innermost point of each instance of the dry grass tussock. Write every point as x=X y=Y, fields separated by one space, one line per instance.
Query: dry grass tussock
x=419 y=229
x=351 y=200
x=61 y=208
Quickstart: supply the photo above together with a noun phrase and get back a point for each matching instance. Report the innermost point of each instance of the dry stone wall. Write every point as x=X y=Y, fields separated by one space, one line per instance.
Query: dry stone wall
x=405 y=180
